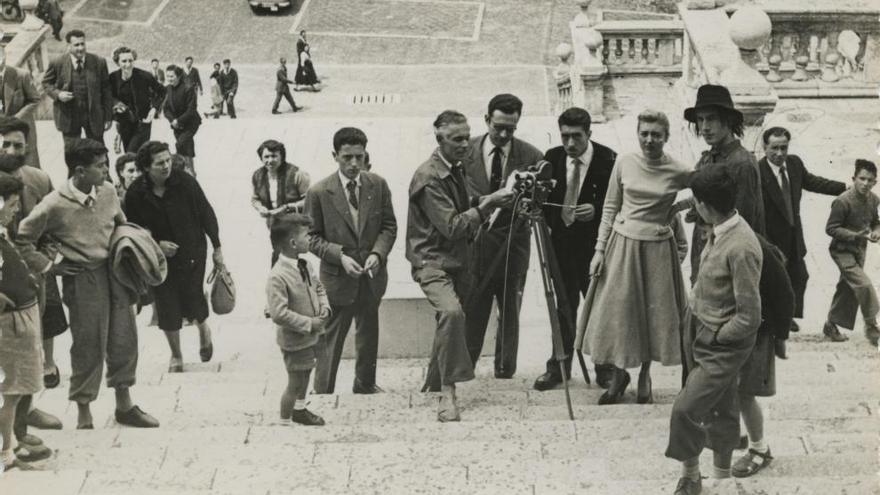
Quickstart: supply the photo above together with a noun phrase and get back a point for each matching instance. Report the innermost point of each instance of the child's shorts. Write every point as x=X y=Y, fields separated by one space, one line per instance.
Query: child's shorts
x=299 y=360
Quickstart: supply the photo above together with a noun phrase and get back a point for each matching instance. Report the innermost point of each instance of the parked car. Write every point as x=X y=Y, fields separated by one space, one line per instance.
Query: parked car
x=269 y=5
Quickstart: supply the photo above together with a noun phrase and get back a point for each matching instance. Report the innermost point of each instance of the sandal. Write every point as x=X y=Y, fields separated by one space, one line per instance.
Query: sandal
x=746 y=465
x=53 y=379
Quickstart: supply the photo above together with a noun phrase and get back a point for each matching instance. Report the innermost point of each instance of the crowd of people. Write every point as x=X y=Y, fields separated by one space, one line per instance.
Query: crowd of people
x=615 y=229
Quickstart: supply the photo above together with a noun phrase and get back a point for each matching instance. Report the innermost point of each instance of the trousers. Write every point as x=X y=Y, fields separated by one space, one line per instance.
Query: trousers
x=285 y=93
x=854 y=291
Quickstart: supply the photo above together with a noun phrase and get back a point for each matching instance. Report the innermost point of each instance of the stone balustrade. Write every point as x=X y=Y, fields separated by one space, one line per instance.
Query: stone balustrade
x=642 y=46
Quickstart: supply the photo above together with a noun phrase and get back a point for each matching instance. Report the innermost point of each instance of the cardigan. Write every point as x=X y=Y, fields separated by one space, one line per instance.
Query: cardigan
x=293 y=183
x=82 y=234
x=292 y=302
x=144 y=92
x=182 y=215
x=851 y=216
x=726 y=296
x=640 y=196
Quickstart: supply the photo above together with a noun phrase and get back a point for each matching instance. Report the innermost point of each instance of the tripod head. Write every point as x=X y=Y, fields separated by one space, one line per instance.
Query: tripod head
x=533 y=187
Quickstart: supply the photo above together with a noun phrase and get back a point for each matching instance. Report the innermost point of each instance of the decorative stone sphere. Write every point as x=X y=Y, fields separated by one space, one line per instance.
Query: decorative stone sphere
x=592 y=38
x=750 y=28
x=563 y=51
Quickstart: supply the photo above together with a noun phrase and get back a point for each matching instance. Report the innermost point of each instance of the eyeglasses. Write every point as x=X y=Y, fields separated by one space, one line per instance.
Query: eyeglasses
x=12 y=144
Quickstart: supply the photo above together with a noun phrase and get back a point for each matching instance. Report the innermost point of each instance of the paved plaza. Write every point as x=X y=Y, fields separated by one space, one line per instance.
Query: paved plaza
x=220 y=431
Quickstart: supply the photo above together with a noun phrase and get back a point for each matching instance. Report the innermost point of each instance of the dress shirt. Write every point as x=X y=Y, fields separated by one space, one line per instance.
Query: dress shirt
x=81 y=197
x=725 y=226
x=357 y=180
x=74 y=60
x=488 y=147
x=776 y=172
x=273 y=189
x=585 y=159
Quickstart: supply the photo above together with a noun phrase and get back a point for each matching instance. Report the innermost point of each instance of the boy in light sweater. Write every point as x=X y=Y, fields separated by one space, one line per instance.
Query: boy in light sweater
x=298 y=304
x=79 y=218
x=724 y=315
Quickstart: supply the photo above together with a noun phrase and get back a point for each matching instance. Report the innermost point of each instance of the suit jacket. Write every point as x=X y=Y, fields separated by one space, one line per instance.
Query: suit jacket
x=59 y=77
x=577 y=242
x=147 y=92
x=159 y=75
x=180 y=103
x=787 y=235
x=193 y=79
x=281 y=79
x=20 y=99
x=334 y=233
x=777 y=295
x=228 y=82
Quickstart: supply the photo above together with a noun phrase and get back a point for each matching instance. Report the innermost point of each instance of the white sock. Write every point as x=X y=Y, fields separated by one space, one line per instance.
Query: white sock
x=7 y=457
x=299 y=405
x=760 y=446
x=720 y=473
x=284 y=421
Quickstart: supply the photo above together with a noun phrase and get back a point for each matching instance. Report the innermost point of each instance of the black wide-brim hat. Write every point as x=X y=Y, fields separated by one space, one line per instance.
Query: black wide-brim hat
x=711 y=96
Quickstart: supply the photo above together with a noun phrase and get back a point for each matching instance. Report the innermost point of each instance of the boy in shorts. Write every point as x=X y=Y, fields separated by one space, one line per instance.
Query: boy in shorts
x=298 y=305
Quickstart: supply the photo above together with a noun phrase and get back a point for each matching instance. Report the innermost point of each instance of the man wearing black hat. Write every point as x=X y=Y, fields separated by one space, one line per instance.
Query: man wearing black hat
x=719 y=123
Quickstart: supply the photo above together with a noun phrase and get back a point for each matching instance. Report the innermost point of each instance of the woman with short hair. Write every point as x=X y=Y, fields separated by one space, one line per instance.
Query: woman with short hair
x=126 y=173
x=137 y=96
x=181 y=111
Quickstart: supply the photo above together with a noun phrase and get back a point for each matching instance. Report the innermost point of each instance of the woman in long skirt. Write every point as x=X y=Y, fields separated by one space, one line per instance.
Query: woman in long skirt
x=305 y=72
x=636 y=314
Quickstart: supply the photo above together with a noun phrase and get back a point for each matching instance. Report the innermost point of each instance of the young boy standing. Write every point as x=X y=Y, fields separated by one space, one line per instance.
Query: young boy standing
x=724 y=315
x=852 y=223
x=298 y=305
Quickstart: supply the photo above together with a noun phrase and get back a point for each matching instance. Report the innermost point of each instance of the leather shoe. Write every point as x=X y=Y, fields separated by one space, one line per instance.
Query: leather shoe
x=206 y=353
x=872 y=333
x=616 y=389
x=137 y=418
x=306 y=417
x=29 y=439
x=604 y=374
x=275 y=112
x=53 y=379
x=32 y=453
x=43 y=420
x=687 y=486
x=503 y=375
x=361 y=388
x=832 y=333
x=547 y=381
x=794 y=327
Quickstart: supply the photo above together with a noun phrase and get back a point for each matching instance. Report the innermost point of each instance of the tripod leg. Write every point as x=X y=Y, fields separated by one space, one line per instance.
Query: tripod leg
x=583 y=364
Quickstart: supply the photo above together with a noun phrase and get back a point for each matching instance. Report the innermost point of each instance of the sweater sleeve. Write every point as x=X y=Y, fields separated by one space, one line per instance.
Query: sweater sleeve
x=29 y=232
x=613 y=202
x=836 y=225
x=745 y=274
x=206 y=214
x=279 y=310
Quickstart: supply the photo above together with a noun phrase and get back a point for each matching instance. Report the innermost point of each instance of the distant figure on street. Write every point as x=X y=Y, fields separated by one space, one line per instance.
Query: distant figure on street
x=228 y=79
x=853 y=222
x=216 y=94
x=137 y=99
x=19 y=99
x=182 y=113
x=191 y=75
x=78 y=83
x=298 y=305
x=305 y=72
x=50 y=12
x=301 y=43
x=156 y=71
x=282 y=87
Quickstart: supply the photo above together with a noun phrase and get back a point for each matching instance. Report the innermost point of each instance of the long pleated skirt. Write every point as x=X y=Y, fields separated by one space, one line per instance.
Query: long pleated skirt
x=637 y=312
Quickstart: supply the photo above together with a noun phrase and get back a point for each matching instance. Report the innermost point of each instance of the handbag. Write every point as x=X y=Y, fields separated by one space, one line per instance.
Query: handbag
x=222 y=290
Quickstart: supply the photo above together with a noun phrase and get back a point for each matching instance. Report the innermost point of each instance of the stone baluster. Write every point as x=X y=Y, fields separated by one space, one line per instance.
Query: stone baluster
x=592 y=72
x=646 y=58
x=830 y=58
x=774 y=58
x=803 y=41
x=665 y=52
x=563 y=77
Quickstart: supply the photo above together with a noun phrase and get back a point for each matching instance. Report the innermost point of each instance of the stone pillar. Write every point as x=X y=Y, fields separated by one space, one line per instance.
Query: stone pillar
x=749 y=30
x=563 y=77
x=592 y=74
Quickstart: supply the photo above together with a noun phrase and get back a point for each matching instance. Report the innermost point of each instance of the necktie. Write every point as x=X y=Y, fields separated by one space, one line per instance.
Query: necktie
x=352 y=194
x=497 y=173
x=786 y=194
x=571 y=190
x=90 y=201
x=304 y=271
x=458 y=178
x=79 y=65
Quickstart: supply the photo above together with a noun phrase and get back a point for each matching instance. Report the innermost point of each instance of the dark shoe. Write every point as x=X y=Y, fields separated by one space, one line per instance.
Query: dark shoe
x=503 y=375
x=687 y=486
x=616 y=389
x=743 y=442
x=645 y=398
x=43 y=420
x=206 y=353
x=779 y=348
x=794 y=327
x=604 y=374
x=832 y=333
x=547 y=381
x=175 y=366
x=297 y=109
x=306 y=417
x=53 y=379
x=29 y=439
x=87 y=426
x=137 y=418
x=872 y=333
x=275 y=112
x=751 y=463
x=32 y=453
x=361 y=388
x=19 y=464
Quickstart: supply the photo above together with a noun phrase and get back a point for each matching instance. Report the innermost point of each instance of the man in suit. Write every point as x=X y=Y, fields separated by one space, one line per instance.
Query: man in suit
x=353 y=231
x=79 y=85
x=492 y=158
x=191 y=75
x=158 y=73
x=441 y=222
x=582 y=169
x=282 y=88
x=228 y=81
x=19 y=99
x=783 y=180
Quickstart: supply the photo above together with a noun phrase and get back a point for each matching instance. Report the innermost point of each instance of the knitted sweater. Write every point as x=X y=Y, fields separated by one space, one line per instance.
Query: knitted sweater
x=82 y=234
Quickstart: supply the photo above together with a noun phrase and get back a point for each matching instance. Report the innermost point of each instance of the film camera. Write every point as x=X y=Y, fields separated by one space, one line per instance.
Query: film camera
x=533 y=185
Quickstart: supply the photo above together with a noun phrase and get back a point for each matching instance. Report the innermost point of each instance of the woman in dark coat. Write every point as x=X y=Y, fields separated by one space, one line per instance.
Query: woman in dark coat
x=305 y=71
x=180 y=108
x=279 y=186
x=172 y=206
x=137 y=97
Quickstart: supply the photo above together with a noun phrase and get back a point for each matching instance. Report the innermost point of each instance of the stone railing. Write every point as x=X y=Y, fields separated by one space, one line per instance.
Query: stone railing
x=823 y=53
x=642 y=46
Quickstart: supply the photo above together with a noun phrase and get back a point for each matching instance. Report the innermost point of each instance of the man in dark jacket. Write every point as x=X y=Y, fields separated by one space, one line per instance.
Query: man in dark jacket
x=783 y=180
x=228 y=81
x=137 y=97
x=191 y=75
x=282 y=88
